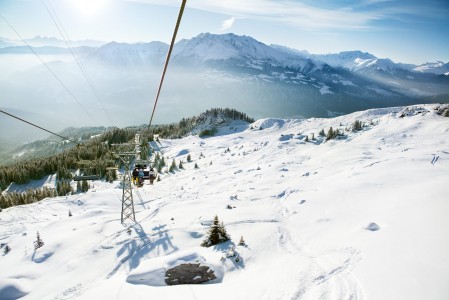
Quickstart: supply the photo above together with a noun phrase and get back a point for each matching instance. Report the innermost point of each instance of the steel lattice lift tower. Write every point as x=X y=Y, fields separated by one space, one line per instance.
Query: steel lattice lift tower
x=127 y=153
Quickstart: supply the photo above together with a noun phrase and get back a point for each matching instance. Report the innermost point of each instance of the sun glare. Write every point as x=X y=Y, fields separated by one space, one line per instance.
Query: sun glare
x=89 y=7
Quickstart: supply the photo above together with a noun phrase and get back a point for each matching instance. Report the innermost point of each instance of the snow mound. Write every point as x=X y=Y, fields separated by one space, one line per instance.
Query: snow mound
x=40 y=257
x=373 y=227
x=11 y=289
x=152 y=272
x=274 y=123
x=413 y=111
x=183 y=152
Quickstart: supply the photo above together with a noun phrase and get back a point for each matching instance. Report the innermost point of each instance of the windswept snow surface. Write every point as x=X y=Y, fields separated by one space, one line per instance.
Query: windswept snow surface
x=361 y=217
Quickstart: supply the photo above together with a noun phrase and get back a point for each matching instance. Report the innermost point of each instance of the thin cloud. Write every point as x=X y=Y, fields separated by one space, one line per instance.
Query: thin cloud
x=301 y=15
x=226 y=24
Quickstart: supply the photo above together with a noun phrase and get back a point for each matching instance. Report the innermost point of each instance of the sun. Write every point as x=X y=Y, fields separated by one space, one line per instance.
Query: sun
x=89 y=7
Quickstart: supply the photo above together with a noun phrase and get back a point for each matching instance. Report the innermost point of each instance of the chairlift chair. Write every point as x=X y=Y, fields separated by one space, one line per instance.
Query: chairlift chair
x=85 y=175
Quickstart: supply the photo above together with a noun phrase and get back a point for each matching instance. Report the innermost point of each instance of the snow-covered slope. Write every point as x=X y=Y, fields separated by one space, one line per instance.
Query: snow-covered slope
x=364 y=62
x=123 y=54
x=360 y=217
x=438 y=67
x=352 y=60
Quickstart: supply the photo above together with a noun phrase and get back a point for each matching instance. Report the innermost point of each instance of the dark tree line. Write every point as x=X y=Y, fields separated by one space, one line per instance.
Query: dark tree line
x=30 y=196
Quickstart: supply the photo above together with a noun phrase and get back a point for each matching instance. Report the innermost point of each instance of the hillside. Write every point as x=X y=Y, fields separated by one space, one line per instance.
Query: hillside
x=361 y=216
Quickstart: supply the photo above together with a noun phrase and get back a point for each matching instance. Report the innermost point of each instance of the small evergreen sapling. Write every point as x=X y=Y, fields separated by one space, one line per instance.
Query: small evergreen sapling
x=189 y=158
x=6 y=250
x=172 y=166
x=332 y=134
x=70 y=213
x=242 y=242
x=39 y=242
x=321 y=133
x=357 y=126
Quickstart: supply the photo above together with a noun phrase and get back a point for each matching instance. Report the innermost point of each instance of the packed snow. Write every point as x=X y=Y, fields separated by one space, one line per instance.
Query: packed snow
x=363 y=216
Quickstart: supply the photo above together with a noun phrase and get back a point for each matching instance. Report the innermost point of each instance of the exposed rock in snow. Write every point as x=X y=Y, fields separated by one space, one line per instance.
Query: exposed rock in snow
x=189 y=273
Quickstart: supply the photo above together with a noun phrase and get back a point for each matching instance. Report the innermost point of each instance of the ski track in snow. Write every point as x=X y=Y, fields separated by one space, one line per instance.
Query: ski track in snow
x=334 y=279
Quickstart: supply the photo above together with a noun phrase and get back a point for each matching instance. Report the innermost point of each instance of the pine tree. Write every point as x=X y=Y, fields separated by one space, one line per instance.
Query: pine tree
x=38 y=243
x=172 y=166
x=78 y=187
x=306 y=139
x=331 y=134
x=6 y=250
x=196 y=166
x=180 y=165
x=189 y=158
x=216 y=234
x=322 y=132
x=70 y=213
x=357 y=126
x=242 y=242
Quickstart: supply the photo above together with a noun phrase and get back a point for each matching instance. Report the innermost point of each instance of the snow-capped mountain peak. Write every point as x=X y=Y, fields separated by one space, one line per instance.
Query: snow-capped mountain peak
x=437 y=67
x=208 y=46
x=352 y=60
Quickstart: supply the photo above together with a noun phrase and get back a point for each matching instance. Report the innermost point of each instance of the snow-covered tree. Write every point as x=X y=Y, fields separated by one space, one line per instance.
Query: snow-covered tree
x=172 y=166
x=332 y=134
x=38 y=242
x=321 y=133
x=216 y=234
x=357 y=125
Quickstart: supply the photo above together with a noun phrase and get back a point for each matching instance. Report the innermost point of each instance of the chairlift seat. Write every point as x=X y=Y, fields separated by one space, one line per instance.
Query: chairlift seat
x=86 y=177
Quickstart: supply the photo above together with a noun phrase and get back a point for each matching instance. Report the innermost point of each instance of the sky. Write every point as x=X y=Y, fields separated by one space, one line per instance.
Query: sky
x=408 y=31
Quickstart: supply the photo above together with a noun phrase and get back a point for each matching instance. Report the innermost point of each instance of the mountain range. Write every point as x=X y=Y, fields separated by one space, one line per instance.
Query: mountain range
x=228 y=70
x=352 y=60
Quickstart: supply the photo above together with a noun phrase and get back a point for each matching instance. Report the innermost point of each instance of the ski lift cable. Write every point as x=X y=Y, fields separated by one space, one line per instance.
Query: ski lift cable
x=65 y=37
x=37 y=126
x=178 y=22
x=48 y=68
